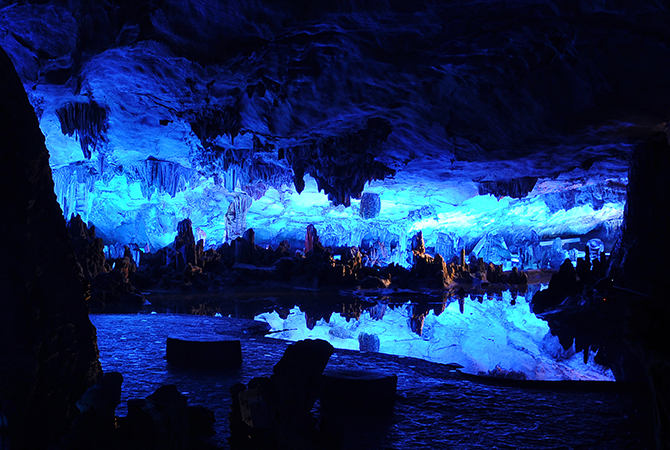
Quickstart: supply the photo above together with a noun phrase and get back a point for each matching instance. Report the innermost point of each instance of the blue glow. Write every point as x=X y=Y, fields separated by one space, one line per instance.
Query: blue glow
x=123 y=213
x=143 y=87
x=486 y=336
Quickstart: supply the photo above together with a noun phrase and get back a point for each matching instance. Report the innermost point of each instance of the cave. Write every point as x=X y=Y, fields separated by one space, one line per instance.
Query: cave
x=474 y=188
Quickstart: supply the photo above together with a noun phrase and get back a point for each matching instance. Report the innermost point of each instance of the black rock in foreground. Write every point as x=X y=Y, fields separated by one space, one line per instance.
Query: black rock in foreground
x=48 y=346
x=276 y=412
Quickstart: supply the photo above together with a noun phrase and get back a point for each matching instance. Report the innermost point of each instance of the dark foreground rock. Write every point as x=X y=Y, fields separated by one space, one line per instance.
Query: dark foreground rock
x=276 y=412
x=161 y=421
x=204 y=354
x=95 y=427
x=641 y=288
x=48 y=347
x=347 y=392
x=164 y=420
x=619 y=307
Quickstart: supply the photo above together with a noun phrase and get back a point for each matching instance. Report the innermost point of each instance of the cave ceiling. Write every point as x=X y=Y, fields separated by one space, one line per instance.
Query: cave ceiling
x=156 y=110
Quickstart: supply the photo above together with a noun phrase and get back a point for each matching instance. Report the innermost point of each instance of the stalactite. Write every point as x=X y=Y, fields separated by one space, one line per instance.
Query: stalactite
x=250 y=170
x=343 y=164
x=155 y=175
x=236 y=217
x=86 y=121
x=73 y=185
x=515 y=188
x=215 y=121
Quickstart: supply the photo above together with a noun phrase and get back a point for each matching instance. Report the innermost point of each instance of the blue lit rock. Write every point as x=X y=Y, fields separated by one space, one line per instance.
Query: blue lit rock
x=236 y=217
x=515 y=188
x=556 y=254
x=596 y=248
x=371 y=205
x=492 y=248
x=368 y=342
x=200 y=108
x=446 y=245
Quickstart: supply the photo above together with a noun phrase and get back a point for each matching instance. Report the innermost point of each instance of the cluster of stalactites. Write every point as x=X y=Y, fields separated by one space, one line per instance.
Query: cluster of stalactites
x=341 y=165
x=86 y=121
x=250 y=170
x=158 y=175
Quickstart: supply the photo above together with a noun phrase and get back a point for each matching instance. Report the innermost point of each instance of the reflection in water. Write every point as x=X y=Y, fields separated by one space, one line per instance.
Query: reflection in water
x=498 y=335
x=434 y=408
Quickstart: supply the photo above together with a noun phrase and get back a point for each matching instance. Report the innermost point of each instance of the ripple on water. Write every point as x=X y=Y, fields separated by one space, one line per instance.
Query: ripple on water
x=433 y=409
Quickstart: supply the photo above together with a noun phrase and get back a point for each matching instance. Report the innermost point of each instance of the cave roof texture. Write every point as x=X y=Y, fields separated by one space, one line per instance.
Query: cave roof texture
x=161 y=109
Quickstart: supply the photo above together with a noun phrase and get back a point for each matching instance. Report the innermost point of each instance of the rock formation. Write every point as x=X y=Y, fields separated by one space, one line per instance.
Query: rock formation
x=48 y=347
x=645 y=291
x=621 y=310
x=283 y=402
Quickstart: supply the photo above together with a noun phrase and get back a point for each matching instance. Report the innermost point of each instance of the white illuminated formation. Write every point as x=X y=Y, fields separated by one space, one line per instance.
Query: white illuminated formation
x=487 y=336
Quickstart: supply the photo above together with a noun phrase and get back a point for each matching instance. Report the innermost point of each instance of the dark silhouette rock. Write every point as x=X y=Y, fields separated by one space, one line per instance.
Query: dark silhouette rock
x=48 y=348
x=243 y=247
x=113 y=289
x=185 y=245
x=354 y=391
x=95 y=427
x=283 y=402
x=643 y=294
x=204 y=354
x=200 y=421
x=562 y=285
x=88 y=248
x=103 y=397
x=160 y=421
x=418 y=246
x=312 y=242
x=356 y=402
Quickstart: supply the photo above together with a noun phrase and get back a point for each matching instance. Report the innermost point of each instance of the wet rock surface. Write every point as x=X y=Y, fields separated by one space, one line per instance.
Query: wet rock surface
x=512 y=413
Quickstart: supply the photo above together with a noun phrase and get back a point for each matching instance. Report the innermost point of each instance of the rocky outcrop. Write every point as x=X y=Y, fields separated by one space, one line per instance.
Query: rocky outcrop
x=95 y=426
x=107 y=281
x=619 y=307
x=276 y=412
x=343 y=164
x=187 y=251
x=242 y=262
x=48 y=347
x=641 y=289
x=88 y=248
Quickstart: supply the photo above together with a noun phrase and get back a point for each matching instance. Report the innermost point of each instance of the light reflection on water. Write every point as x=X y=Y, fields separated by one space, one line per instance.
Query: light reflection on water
x=433 y=410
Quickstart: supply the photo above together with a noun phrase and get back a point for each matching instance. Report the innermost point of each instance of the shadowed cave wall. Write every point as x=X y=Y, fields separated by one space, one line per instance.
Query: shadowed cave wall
x=638 y=267
x=48 y=346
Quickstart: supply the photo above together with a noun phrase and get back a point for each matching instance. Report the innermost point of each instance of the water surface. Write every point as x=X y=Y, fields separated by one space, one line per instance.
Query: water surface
x=434 y=409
